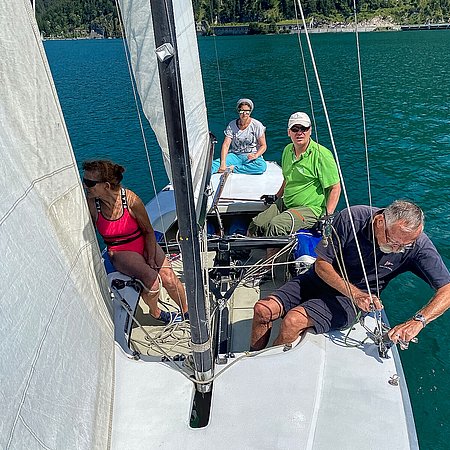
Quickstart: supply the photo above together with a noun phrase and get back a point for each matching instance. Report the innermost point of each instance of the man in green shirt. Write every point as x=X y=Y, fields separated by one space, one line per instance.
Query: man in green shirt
x=310 y=189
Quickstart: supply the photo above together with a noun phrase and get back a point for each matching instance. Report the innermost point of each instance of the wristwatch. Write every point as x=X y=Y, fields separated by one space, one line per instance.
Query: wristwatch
x=420 y=318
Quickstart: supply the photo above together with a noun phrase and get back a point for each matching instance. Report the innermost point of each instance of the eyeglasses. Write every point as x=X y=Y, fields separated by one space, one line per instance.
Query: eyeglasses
x=299 y=128
x=91 y=183
x=400 y=245
x=244 y=111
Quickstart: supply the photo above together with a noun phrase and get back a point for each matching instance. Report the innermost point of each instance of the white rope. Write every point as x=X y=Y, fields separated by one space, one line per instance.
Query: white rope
x=344 y=188
x=366 y=152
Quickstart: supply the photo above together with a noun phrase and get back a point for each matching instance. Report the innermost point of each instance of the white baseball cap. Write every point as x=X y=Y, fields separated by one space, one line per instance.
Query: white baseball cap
x=299 y=118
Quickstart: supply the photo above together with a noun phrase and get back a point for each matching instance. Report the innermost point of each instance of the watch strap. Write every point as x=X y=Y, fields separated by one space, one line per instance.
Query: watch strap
x=420 y=318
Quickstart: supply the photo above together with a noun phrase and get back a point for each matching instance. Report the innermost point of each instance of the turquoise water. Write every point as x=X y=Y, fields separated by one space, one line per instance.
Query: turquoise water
x=407 y=99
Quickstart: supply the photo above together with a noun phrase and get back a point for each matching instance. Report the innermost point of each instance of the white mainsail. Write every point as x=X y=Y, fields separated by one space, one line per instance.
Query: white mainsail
x=137 y=19
x=56 y=336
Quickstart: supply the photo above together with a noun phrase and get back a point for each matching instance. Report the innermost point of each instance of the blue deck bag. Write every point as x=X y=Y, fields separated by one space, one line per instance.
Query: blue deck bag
x=306 y=243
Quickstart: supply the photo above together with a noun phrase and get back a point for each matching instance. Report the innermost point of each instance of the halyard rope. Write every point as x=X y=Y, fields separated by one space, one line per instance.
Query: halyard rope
x=366 y=152
x=344 y=188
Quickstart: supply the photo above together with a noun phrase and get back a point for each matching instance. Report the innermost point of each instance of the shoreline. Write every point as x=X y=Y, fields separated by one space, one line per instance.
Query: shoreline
x=246 y=29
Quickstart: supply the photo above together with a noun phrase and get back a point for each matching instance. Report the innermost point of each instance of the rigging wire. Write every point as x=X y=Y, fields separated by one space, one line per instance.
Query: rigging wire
x=219 y=76
x=305 y=70
x=344 y=188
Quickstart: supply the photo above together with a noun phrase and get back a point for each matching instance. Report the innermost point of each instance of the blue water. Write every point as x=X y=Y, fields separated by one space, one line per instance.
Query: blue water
x=407 y=99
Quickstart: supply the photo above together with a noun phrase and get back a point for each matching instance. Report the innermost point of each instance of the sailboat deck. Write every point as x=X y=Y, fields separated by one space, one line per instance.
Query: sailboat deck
x=322 y=392
x=310 y=405
x=316 y=390
x=174 y=339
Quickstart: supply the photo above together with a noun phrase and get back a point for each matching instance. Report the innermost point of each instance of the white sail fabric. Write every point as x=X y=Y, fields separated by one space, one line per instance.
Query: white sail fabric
x=56 y=337
x=138 y=26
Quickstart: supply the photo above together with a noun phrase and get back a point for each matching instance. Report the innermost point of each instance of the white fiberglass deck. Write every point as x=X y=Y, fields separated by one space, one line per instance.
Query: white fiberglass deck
x=319 y=395
x=240 y=193
x=243 y=192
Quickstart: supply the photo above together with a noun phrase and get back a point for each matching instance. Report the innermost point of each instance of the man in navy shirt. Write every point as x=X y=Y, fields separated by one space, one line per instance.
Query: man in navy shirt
x=368 y=247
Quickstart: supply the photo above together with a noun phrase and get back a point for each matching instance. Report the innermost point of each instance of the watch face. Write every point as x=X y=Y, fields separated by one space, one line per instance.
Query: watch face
x=420 y=318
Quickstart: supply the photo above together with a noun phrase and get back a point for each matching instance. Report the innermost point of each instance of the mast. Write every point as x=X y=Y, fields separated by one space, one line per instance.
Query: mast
x=169 y=73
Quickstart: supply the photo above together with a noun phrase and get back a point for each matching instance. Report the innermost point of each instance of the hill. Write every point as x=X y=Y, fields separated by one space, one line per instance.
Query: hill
x=80 y=18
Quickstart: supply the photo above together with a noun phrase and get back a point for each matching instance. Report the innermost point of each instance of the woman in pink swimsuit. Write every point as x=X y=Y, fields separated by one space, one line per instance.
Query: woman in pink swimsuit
x=123 y=222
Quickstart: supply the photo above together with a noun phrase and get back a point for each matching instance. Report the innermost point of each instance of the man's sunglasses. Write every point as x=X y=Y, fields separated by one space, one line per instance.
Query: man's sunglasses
x=91 y=183
x=244 y=111
x=297 y=128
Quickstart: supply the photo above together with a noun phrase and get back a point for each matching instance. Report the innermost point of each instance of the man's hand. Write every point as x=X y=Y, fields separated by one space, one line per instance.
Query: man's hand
x=367 y=303
x=269 y=199
x=251 y=156
x=405 y=332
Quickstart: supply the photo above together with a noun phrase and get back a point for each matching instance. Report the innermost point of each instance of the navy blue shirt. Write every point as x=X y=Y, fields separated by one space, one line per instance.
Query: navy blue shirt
x=422 y=260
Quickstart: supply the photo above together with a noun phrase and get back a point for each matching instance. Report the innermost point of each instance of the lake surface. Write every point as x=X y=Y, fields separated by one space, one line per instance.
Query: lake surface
x=407 y=102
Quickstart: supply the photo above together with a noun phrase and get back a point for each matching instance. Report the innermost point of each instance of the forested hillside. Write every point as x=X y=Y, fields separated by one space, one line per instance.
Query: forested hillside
x=66 y=18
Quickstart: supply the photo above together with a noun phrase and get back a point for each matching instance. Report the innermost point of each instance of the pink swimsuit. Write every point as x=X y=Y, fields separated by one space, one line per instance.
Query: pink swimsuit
x=122 y=234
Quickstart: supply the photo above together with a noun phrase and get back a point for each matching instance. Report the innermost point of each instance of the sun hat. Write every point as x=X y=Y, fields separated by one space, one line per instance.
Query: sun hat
x=245 y=100
x=299 y=118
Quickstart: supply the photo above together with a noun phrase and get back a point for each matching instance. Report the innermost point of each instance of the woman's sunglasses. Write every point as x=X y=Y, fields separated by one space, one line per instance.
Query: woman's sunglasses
x=91 y=183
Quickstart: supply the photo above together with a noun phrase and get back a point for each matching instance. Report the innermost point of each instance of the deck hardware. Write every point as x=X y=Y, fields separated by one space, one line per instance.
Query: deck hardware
x=287 y=347
x=222 y=302
x=324 y=227
x=119 y=284
x=380 y=338
x=221 y=359
x=394 y=380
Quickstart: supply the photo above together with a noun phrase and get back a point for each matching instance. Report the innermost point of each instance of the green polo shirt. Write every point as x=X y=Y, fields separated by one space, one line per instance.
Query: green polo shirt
x=308 y=177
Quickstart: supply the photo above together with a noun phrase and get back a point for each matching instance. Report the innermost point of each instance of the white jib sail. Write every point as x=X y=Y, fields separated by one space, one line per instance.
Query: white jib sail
x=138 y=26
x=56 y=337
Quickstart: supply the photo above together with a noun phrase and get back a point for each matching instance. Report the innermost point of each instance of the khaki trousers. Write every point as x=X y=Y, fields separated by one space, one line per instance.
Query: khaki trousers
x=277 y=220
